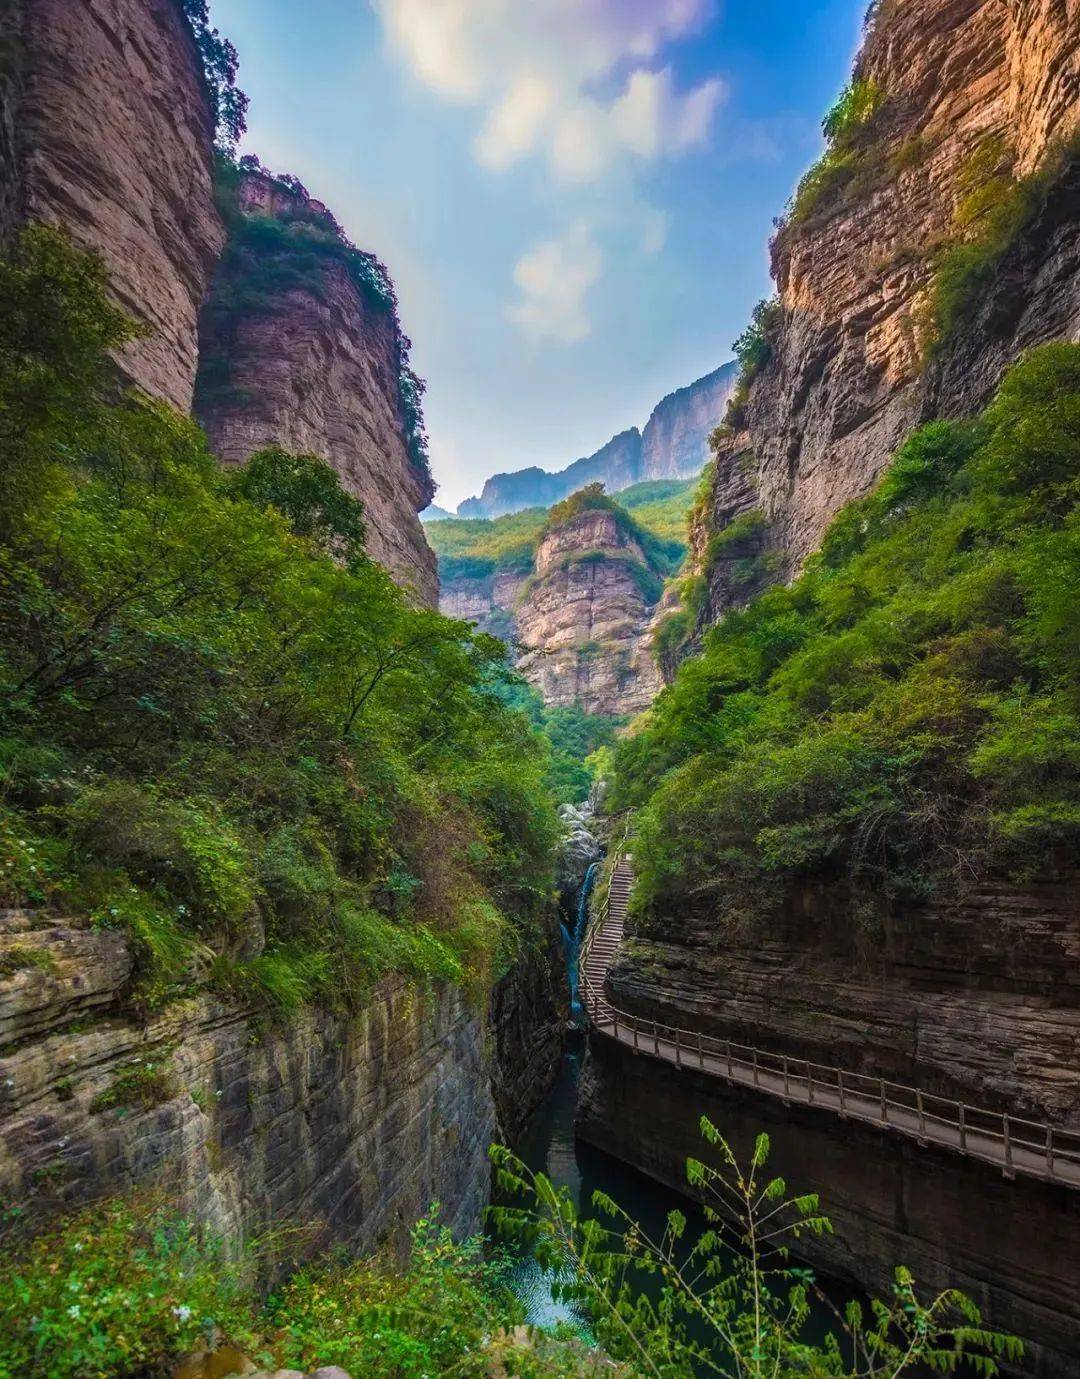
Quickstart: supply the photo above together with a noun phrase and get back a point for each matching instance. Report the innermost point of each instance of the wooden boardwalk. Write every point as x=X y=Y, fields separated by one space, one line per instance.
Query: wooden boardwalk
x=1012 y=1143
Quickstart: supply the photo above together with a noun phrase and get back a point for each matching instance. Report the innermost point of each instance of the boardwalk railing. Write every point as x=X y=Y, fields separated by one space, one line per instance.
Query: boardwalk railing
x=1013 y=1143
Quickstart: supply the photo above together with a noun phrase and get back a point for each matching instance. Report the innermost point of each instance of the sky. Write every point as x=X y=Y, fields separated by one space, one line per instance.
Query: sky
x=574 y=197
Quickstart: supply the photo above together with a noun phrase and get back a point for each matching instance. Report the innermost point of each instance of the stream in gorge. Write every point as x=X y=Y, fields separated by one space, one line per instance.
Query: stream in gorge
x=549 y=1146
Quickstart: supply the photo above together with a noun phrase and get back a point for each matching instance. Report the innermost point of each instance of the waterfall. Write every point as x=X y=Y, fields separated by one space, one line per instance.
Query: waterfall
x=572 y=941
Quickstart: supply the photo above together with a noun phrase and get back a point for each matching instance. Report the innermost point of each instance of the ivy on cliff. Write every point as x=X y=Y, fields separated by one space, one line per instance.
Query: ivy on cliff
x=907 y=712
x=223 y=728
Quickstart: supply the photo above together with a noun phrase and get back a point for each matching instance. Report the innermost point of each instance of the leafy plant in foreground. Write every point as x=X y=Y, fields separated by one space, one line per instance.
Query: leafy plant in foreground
x=731 y=1303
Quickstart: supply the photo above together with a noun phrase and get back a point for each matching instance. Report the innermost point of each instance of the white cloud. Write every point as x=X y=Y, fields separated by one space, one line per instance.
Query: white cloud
x=552 y=281
x=534 y=67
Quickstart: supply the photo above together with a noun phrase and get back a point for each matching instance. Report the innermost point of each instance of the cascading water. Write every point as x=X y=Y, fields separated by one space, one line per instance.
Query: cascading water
x=572 y=937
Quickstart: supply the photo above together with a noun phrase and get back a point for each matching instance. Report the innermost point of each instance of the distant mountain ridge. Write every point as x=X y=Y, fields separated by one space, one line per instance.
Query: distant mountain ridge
x=673 y=445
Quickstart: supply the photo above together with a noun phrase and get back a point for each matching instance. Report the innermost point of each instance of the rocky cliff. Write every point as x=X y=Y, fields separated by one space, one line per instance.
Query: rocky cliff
x=935 y=241
x=583 y=617
x=674 y=445
x=106 y=127
x=1011 y=1246
x=301 y=347
x=352 y=1126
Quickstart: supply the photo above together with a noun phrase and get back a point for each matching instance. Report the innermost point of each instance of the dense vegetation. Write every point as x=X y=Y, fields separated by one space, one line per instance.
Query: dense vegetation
x=906 y=711
x=124 y=1289
x=574 y=736
x=268 y=255
x=222 y=728
x=480 y=546
x=127 y=1288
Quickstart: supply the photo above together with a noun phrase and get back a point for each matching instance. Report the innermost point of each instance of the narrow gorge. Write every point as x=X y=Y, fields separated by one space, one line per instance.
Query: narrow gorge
x=683 y=837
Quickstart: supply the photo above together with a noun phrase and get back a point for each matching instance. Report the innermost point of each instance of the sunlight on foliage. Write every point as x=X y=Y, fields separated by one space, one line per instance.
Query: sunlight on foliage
x=904 y=715
x=223 y=728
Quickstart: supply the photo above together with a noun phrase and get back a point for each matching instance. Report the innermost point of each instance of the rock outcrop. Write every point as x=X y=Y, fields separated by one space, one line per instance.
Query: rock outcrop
x=674 y=445
x=351 y=1125
x=854 y=363
x=296 y=353
x=583 y=617
x=106 y=127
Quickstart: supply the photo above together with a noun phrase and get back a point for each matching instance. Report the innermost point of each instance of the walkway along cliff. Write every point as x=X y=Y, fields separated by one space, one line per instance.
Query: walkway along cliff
x=936 y=241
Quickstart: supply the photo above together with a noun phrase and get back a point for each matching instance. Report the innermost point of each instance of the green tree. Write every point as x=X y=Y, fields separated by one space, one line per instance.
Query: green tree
x=732 y=1303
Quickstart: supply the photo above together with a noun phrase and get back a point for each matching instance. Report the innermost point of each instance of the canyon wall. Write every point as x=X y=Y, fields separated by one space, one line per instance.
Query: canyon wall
x=295 y=352
x=978 y=998
x=106 y=128
x=583 y=619
x=1013 y=1247
x=353 y=1126
x=350 y=1125
x=674 y=445
x=854 y=365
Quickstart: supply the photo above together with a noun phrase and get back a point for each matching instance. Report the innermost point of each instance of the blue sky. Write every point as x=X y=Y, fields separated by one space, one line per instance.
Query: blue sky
x=574 y=196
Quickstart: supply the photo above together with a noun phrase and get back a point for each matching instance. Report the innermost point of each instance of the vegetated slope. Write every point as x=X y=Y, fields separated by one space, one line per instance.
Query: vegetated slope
x=250 y=795
x=934 y=240
x=301 y=346
x=904 y=715
x=673 y=445
x=478 y=546
x=859 y=809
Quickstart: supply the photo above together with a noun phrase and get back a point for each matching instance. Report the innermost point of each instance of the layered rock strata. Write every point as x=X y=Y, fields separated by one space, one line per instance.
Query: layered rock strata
x=1012 y=1246
x=584 y=618
x=978 y=998
x=351 y=1126
x=106 y=128
x=849 y=374
x=306 y=359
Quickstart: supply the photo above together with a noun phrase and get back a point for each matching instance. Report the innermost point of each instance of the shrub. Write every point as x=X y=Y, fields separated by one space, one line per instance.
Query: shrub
x=433 y=1316
x=730 y=1301
x=857 y=727
x=753 y=350
x=851 y=158
x=143 y=1085
x=993 y=210
x=118 y=1290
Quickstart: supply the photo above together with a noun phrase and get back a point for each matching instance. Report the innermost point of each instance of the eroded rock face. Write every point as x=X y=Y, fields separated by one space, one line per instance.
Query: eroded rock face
x=846 y=382
x=675 y=442
x=1013 y=1247
x=978 y=998
x=528 y=1017
x=315 y=370
x=106 y=128
x=584 y=619
x=353 y=1125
